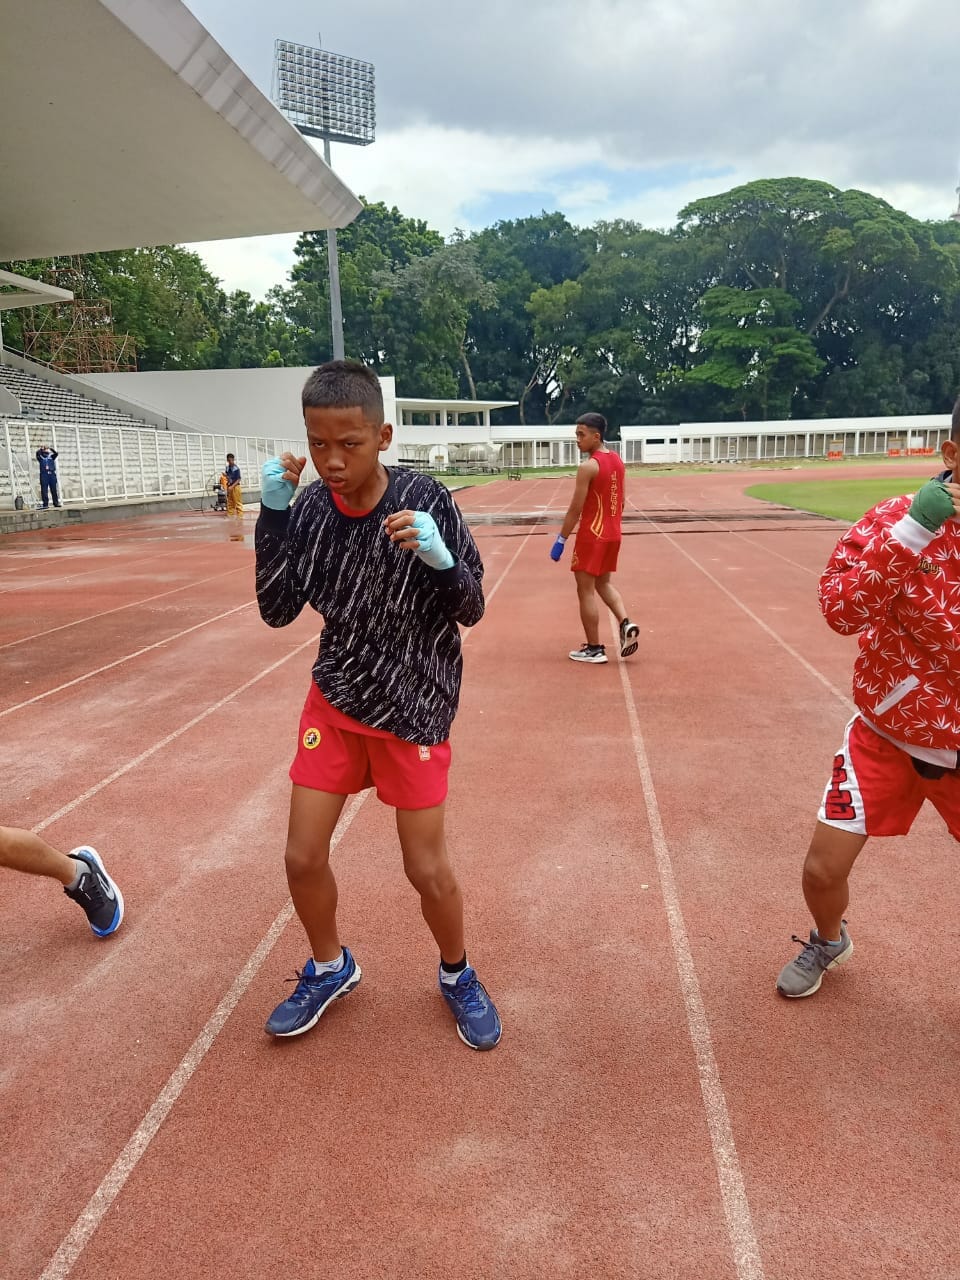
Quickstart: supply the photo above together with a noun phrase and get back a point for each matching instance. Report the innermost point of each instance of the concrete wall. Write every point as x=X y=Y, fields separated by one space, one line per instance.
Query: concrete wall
x=236 y=402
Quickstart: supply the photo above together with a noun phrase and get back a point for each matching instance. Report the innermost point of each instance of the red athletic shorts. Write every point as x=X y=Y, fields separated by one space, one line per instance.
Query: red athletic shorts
x=875 y=789
x=342 y=756
x=592 y=556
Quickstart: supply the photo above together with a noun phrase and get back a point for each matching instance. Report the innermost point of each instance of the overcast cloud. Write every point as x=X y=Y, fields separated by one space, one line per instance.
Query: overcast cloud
x=619 y=108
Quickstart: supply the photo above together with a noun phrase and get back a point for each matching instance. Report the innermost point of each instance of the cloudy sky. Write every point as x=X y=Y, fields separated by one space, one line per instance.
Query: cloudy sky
x=618 y=108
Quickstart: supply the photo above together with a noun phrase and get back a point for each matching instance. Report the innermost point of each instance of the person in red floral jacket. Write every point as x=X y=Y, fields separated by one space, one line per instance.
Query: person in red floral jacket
x=894 y=580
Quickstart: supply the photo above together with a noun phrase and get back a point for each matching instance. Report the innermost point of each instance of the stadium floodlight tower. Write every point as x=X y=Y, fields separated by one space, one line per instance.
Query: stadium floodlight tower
x=328 y=96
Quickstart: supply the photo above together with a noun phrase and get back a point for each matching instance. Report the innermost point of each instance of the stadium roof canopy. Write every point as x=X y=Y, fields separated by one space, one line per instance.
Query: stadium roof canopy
x=125 y=124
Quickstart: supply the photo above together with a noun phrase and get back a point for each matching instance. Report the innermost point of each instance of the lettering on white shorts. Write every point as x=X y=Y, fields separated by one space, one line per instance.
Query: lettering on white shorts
x=842 y=804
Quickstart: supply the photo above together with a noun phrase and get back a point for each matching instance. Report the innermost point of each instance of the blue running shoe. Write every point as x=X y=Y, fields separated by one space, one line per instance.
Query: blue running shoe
x=478 y=1023
x=312 y=994
x=96 y=892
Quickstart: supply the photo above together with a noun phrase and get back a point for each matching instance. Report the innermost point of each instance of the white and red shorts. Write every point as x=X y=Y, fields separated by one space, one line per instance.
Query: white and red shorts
x=877 y=790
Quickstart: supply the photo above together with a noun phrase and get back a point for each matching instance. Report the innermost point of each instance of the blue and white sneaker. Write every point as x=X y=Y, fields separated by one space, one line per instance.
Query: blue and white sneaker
x=312 y=994
x=478 y=1023
x=96 y=892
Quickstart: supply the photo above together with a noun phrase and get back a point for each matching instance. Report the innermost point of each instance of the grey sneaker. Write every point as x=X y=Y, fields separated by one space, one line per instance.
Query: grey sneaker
x=589 y=653
x=802 y=977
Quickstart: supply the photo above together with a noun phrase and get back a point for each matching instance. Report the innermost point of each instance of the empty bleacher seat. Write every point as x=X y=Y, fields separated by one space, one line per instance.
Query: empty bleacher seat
x=48 y=400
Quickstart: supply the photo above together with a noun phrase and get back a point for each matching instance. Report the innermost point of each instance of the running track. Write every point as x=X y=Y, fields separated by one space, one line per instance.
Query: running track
x=630 y=840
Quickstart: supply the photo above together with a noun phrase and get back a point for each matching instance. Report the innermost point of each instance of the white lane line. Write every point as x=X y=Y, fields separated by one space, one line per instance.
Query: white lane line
x=736 y=1207
x=127 y=658
x=512 y=561
x=786 y=559
x=38 y=635
x=53 y=582
x=808 y=666
x=97 y=1207
x=841 y=697
x=171 y=737
x=62 y=1262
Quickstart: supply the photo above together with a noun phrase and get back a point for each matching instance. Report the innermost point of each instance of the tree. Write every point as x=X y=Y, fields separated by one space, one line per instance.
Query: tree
x=444 y=286
x=860 y=271
x=378 y=240
x=249 y=334
x=559 y=368
x=164 y=297
x=755 y=357
x=521 y=256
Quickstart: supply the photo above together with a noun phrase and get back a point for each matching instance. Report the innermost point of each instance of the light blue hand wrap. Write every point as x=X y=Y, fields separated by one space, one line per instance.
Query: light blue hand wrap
x=275 y=492
x=432 y=550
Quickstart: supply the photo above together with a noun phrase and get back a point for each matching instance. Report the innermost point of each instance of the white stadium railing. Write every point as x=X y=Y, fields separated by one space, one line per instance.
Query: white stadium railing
x=116 y=464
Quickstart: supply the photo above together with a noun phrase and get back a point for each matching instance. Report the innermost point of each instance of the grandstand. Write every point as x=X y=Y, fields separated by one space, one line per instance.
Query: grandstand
x=39 y=398
x=108 y=452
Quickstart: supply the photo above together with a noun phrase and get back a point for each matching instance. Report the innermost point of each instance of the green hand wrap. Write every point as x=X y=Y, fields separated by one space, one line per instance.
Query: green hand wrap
x=932 y=505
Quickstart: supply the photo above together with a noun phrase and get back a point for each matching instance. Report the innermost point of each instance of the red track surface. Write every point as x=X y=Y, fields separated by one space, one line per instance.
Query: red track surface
x=629 y=838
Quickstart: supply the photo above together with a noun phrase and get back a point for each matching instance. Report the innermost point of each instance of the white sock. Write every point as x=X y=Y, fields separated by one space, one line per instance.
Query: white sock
x=450 y=979
x=330 y=966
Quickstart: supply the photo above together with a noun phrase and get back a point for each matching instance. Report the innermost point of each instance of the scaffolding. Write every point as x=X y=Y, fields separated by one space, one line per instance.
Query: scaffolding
x=78 y=336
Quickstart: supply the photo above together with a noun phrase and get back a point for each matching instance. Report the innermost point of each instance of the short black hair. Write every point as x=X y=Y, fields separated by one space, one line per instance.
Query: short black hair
x=229 y=456
x=955 y=422
x=596 y=422
x=345 y=384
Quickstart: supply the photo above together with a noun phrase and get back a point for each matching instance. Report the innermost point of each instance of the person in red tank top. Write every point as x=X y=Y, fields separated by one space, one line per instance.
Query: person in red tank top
x=597 y=506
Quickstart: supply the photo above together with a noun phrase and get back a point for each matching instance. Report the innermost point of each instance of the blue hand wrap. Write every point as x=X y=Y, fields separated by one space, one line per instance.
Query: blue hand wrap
x=556 y=551
x=432 y=550
x=275 y=492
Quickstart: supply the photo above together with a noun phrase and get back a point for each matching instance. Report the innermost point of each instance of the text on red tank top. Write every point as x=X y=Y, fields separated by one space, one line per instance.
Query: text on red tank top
x=603 y=511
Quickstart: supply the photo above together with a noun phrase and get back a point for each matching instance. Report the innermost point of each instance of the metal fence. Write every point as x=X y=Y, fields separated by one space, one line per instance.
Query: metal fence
x=112 y=464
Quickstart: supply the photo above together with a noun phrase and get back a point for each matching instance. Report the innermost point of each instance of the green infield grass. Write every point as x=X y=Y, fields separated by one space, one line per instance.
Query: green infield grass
x=841 y=499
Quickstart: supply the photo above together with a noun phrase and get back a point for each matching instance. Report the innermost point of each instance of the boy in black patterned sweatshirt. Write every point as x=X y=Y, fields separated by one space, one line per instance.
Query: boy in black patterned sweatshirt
x=384 y=555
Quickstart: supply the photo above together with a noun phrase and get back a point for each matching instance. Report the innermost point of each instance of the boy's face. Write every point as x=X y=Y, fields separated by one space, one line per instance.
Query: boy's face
x=588 y=440
x=344 y=447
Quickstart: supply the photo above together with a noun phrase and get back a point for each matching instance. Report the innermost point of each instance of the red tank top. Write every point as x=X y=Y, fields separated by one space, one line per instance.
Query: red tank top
x=603 y=509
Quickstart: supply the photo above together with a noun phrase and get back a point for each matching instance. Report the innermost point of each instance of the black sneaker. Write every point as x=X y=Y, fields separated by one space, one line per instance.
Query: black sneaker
x=96 y=893
x=589 y=653
x=629 y=638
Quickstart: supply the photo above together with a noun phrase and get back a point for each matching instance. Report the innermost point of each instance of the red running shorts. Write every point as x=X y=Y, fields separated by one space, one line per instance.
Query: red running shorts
x=594 y=557
x=342 y=762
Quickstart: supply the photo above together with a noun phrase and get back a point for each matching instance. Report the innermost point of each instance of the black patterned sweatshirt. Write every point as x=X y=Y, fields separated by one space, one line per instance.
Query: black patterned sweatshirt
x=390 y=648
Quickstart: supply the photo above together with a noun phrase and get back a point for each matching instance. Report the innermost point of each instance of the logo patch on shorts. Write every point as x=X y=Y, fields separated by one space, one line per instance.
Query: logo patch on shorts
x=424 y=753
x=838 y=805
x=311 y=739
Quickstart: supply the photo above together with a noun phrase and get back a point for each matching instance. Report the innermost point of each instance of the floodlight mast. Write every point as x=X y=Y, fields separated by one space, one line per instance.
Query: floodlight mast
x=331 y=97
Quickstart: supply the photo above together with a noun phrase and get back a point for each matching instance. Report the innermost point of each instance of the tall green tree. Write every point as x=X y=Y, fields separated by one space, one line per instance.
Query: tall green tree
x=521 y=256
x=860 y=271
x=756 y=359
x=444 y=286
x=378 y=240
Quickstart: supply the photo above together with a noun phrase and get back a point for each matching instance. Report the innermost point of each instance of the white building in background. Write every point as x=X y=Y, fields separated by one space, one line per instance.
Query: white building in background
x=235 y=402
x=138 y=436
